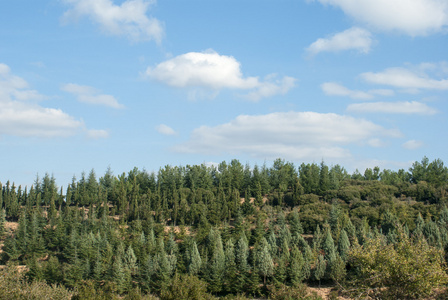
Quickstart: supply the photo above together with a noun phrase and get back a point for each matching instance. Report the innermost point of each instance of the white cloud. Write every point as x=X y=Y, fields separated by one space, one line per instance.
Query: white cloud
x=213 y=71
x=351 y=39
x=20 y=117
x=29 y=120
x=335 y=89
x=406 y=79
x=165 y=130
x=406 y=107
x=412 y=144
x=91 y=95
x=97 y=134
x=128 y=19
x=411 y=17
x=292 y=135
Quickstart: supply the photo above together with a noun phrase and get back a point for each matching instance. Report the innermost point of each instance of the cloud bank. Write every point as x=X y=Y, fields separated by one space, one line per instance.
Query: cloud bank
x=214 y=71
x=406 y=78
x=406 y=107
x=292 y=135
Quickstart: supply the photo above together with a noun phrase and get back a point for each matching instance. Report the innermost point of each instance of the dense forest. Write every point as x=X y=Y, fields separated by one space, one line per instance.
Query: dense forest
x=230 y=231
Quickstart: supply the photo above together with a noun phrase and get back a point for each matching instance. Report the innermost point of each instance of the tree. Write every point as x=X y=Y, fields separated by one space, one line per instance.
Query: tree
x=295 y=267
x=319 y=270
x=343 y=244
x=195 y=260
x=264 y=262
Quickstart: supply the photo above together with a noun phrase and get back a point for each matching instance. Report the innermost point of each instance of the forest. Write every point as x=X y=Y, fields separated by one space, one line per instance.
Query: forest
x=229 y=231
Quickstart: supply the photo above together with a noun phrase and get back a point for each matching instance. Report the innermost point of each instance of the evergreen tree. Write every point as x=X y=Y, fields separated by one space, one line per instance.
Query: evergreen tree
x=343 y=245
x=296 y=267
x=264 y=262
x=195 y=263
x=320 y=267
x=230 y=269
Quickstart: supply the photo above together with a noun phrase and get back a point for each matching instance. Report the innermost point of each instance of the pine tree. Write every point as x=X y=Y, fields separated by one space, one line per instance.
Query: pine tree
x=296 y=267
x=217 y=266
x=195 y=263
x=319 y=271
x=2 y=219
x=264 y=262
x=343 y=245
x=230 y=270
x=328 y=245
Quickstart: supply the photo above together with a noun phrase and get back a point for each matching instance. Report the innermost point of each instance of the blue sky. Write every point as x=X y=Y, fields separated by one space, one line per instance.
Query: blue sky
x=88 y=84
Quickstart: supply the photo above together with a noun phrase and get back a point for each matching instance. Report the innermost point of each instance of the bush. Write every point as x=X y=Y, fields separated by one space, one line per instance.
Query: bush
x=284 y=292
x=14 y=286
x=408 y=269
x=186 y=287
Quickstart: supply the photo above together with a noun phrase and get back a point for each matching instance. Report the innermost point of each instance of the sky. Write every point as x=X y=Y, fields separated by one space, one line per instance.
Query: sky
x=97 y=84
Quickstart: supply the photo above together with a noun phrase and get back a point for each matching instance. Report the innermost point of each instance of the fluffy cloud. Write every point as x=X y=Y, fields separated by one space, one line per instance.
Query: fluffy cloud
x=21 y=116
x=406 y=107
x=28 y=120
x=412 y=17
x=351 y=39
x=412 y=144
x=91 y=95
x=213 y=71
x=128 y=19
x=293 y=135
x=416 y=78
x=165 y=130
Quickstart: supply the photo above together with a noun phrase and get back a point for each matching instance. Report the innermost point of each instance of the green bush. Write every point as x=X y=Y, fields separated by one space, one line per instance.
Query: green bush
x=186 y=287
x=408 y=269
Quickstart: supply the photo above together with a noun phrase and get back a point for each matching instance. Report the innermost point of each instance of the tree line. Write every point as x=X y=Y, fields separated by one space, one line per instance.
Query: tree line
x=232 y=229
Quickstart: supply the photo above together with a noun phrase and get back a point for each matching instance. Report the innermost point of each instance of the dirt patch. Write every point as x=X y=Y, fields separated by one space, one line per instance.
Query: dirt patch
x=12 y=226
x=176 y=230
x=324 y=292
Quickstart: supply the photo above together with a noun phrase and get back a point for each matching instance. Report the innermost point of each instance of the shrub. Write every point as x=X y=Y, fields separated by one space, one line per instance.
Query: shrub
x=408 y=269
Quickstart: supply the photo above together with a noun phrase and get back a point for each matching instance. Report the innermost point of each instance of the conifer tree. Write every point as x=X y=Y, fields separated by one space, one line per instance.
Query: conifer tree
x=264 y=262
x=328 y=245
x=2 y=220
x=296 y=267
x=242 y=254
x=320 y=267
x=343 y=245
x=230 y=270
x=217 y=265
x=195 y=263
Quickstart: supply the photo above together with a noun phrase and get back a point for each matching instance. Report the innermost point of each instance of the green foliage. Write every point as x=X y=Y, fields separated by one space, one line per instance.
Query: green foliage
x=408 y=269
x=13 y=285
x=119 y=235
x=186 y=287
x=284 y=292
